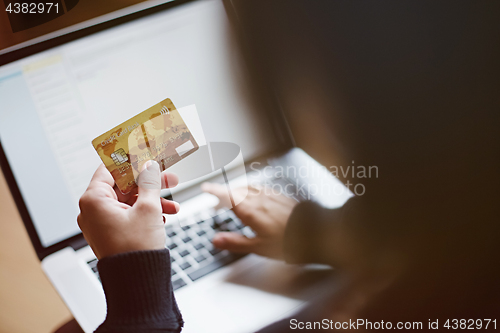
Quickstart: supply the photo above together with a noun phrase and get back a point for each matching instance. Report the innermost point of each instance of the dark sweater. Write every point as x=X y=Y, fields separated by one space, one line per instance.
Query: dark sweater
x=139 y=293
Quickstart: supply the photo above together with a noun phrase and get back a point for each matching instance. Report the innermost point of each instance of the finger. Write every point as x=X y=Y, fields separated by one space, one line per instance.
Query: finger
x=149 y=185
x=234 y=242
x=169 y=206
x=102 y=176
x=220 y=191
x=169 y=180
x=255 y=188
x=128 y=198
x=101 y=185
x=241 y=193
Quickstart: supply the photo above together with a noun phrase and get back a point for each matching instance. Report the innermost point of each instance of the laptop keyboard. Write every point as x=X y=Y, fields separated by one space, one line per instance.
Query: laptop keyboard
x=93 y=265
x=191 y=251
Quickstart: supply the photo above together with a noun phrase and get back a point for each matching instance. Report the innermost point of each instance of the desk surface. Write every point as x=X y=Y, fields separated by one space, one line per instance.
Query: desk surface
x=28 y=302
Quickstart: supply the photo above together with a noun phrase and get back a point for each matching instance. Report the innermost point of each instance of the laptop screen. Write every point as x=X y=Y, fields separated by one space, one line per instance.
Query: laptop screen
x=52 y=104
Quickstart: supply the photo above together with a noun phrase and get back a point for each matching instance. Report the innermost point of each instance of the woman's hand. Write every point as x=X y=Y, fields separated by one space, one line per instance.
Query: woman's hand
x=266 y=213
x=114 y=223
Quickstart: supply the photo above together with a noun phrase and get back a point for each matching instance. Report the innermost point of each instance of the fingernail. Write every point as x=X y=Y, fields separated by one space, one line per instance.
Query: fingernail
x=177 y=207
x=153 y=165
x=146 y=165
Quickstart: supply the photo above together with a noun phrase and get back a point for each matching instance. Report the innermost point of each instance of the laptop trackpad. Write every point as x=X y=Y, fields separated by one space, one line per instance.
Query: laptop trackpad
x=225 y=302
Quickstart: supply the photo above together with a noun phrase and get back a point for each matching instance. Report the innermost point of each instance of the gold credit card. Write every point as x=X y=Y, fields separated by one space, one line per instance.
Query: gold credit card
x=159 y=134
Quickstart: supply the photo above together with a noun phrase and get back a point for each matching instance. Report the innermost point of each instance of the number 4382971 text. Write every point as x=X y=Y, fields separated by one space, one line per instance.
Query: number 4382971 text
x=32 y=8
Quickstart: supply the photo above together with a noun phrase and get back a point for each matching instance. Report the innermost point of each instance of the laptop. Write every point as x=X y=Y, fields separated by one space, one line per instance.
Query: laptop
x=62 y=90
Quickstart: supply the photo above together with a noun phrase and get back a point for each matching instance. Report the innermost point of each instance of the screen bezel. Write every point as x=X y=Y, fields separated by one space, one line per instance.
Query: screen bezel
x=277 y=120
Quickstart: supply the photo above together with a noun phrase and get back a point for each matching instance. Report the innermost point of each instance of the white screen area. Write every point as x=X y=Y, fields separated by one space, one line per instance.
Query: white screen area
x=54 y=103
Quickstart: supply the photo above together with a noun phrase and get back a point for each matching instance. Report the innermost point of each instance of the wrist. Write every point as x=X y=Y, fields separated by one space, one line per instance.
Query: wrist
x=132 y=282
x=127 y=240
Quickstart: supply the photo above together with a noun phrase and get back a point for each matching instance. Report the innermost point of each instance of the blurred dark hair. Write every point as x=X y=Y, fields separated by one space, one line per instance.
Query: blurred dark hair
x=413 y=88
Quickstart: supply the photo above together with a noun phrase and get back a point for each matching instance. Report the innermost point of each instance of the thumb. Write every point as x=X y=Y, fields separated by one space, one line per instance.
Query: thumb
x=149 y=183
x=234 y=242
